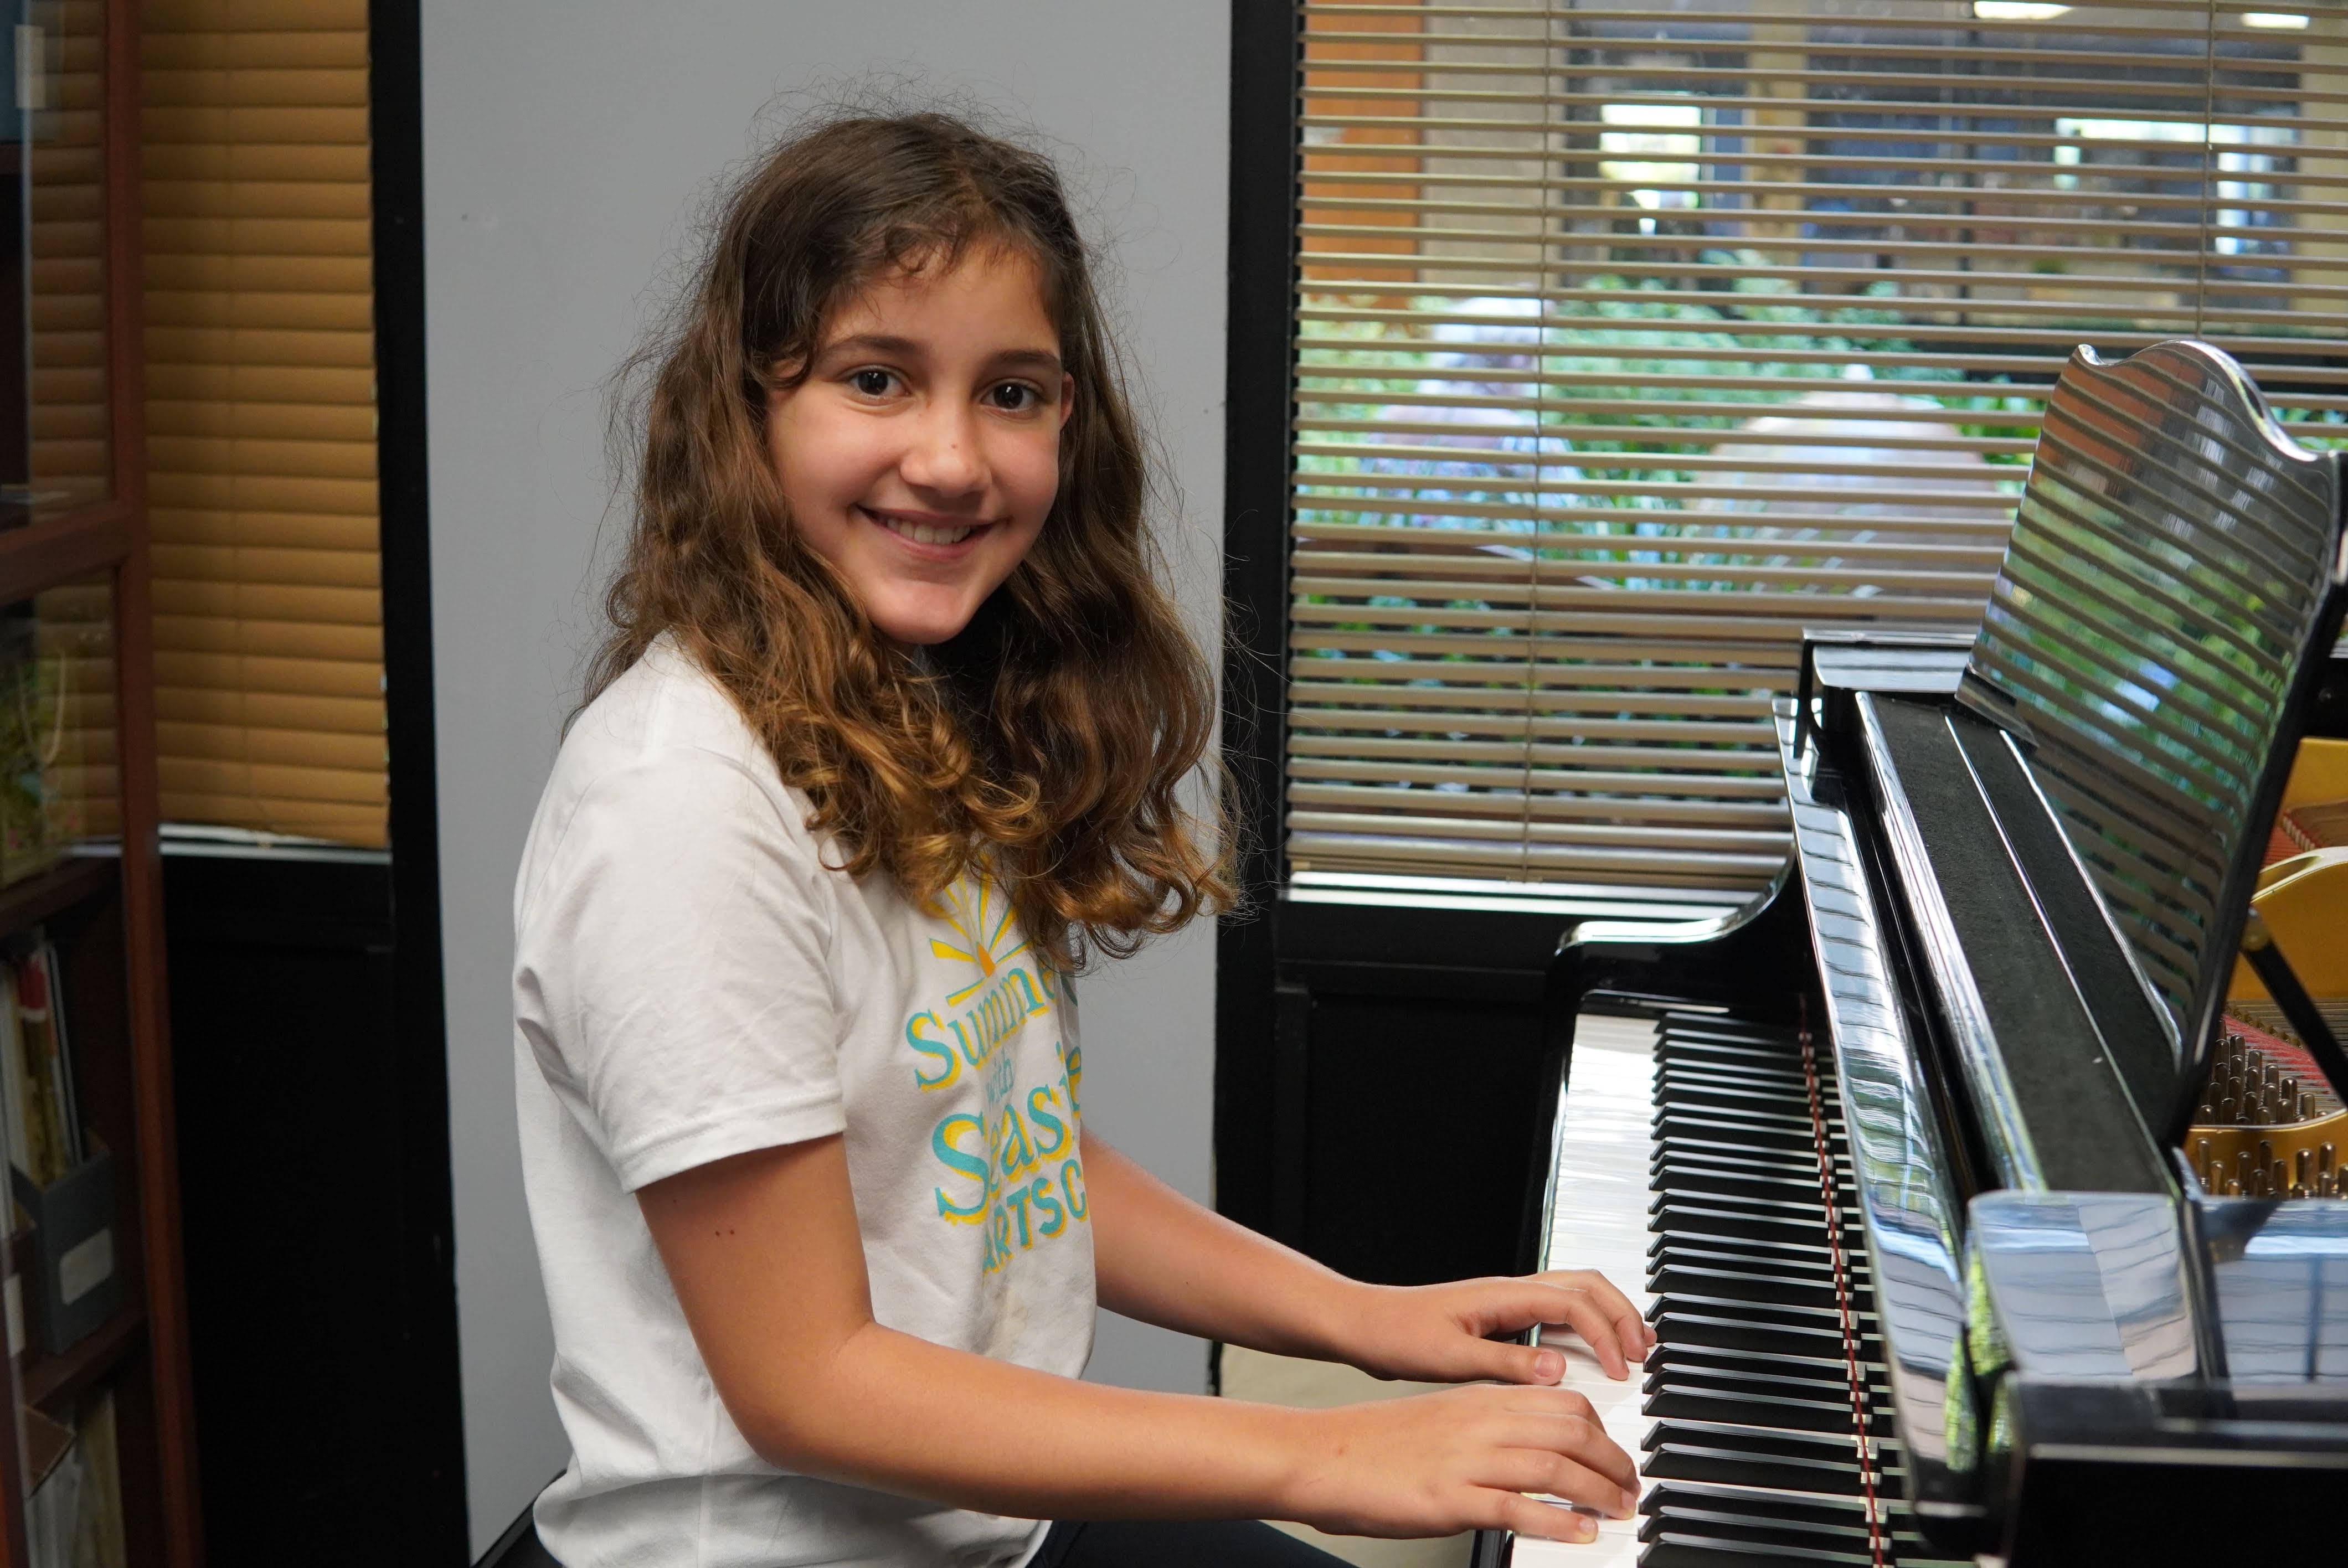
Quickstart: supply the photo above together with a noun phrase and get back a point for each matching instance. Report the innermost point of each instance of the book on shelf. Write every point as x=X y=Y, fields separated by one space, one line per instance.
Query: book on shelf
x=63 y=1283
x=40 y=1076
x=74 y=1517
x=34 y=825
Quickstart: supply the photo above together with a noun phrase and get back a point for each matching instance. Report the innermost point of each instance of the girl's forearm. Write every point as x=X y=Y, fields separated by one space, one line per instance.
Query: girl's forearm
x=1165 y=1260
x=890 y=1410
x=765 y=1255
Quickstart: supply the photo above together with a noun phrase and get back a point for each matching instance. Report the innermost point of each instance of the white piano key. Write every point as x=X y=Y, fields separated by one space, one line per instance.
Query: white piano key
x=1597 y=1219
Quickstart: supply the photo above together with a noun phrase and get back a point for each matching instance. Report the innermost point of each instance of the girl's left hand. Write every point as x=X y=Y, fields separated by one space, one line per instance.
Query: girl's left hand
x=1443 y=1333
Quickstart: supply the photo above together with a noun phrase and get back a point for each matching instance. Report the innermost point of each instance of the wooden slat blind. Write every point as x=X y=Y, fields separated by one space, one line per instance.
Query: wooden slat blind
x=1632 y=338
x=261 y=415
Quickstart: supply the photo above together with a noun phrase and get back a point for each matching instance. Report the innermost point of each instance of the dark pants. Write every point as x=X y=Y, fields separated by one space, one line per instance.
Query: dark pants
x=1219 y=1543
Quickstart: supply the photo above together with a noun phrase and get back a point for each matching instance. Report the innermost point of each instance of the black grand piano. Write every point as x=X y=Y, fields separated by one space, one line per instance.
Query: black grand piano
x=1973 y=1226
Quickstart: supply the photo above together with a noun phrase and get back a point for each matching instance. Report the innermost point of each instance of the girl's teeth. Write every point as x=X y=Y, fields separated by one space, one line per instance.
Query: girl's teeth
x=923 y=534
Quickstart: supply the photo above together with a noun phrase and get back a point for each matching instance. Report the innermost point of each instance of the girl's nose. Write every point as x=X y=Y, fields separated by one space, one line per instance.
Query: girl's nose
x=944 y=457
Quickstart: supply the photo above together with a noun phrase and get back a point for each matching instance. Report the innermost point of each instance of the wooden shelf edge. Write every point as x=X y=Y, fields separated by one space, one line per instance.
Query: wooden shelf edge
x=70 y=881
x=50 y=1383
x=51 y=550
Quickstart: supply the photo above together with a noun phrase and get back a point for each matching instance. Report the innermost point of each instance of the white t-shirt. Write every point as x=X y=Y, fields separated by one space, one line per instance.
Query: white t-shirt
x=694 y=978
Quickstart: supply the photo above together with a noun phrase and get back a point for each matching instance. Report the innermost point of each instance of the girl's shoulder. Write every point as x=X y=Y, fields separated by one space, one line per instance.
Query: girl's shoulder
x=663 y=750
x=664 y=705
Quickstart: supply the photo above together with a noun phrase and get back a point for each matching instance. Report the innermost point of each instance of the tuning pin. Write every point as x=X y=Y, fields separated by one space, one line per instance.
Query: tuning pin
x=2229 y=1111
x=2302 y=1169
x=2233 y=1189
x=2297 y=1191
x=2323 y=1158
x=2278 y=1178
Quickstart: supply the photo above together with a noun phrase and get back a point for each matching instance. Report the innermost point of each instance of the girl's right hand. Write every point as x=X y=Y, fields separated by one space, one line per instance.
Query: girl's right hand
x=1440 y=1463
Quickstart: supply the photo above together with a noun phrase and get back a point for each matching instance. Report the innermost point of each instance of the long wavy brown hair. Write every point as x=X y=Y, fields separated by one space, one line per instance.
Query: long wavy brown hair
x=1050 y=740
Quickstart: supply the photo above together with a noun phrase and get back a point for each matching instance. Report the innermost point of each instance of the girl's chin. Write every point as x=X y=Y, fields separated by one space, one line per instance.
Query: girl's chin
x=920 y=629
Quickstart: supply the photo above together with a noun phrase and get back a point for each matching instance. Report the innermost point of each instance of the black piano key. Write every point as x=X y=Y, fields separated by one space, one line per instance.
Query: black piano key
x=1728 y=1132
x=1780 y=1091
x=1706 y=1402
x=1787 y=1188
x=1784 y=1507
x=1744 y=1284
x=1676 y=1144
x=1712 y=1538
x=1711 y=1519
x=1684 y=1157
x=1678 y=1047
x=1702 y=1059
x=1835 y=1369
x=1693 y=1034
x=1728 y=1061
x=1797 y=1210
x=1739 y=1334
x=1788 y=1098
x=1692 y=1217
x=1684 y=1549
x=1672 y=1236
x=1713 y=1111
x=1727 y=1377
x=1742 y=1456
x=1696 y=1076
x=1815 y=1266
x=1736 y=1329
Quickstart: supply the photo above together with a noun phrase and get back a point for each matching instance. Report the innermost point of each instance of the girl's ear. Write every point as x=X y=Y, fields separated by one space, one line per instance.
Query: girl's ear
x=1068 y=398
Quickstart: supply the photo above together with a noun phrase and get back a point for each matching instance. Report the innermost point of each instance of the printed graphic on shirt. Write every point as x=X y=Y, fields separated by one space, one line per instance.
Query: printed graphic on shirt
x=1013 y=1167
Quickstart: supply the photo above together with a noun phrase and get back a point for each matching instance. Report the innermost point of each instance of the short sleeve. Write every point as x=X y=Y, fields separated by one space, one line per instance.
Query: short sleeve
x=674 y=952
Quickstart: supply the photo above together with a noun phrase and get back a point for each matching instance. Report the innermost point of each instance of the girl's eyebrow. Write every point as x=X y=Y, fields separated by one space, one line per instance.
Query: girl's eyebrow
x=871 y=343
x=1038 y=359
x=1031 y=358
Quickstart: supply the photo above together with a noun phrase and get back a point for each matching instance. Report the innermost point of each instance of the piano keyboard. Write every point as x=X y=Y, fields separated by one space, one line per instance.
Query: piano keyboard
x=1689 y=1172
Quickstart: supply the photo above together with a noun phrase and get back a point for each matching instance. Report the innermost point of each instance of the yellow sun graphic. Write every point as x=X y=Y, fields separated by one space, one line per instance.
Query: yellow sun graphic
x=981 y=916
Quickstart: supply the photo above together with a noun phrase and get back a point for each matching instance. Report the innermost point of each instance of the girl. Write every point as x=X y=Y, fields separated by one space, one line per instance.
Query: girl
x=886 y=740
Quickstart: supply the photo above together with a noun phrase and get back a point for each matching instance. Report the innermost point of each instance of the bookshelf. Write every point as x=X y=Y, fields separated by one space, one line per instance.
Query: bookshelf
x=73 y=543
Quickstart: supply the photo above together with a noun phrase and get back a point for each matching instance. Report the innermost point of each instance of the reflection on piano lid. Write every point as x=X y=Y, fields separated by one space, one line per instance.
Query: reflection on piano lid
x=2168 y=594
x=1990 y=983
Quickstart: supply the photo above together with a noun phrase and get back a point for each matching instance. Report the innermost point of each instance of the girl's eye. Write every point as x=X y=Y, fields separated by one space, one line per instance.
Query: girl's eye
x=1013 y=397
x=872 y=383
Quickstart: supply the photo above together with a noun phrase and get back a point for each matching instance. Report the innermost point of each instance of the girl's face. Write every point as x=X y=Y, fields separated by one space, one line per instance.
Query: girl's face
x=921 y=452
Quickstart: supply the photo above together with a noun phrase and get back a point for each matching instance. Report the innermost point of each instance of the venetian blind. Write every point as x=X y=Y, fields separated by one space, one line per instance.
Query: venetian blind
x=261 y=415
x=1634 y=338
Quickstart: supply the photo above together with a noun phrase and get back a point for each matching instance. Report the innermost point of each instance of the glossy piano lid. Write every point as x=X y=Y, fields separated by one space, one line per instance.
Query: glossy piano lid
x=2152 y=641
x=2280 y=1274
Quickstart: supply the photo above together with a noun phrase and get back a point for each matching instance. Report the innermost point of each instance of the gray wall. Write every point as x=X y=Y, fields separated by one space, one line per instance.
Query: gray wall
x=567 y=146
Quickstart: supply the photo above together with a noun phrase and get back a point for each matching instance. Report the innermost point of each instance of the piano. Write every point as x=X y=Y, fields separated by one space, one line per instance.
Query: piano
x=1973 y=1223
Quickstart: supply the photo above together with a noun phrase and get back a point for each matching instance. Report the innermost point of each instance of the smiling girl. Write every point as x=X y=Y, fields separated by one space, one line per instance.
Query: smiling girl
x=886 y=740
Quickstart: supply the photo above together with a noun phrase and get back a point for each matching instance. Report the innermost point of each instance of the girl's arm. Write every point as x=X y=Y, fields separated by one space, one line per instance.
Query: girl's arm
x=1165 y=1260
x=767 y=1262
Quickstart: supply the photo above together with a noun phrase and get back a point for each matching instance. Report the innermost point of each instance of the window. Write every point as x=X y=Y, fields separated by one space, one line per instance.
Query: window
x=261 y=416
x=1632 y=338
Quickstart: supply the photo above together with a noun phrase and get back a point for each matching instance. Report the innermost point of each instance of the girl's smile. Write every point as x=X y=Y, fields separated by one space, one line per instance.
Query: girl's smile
x=920 y=452
x=928 y=529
